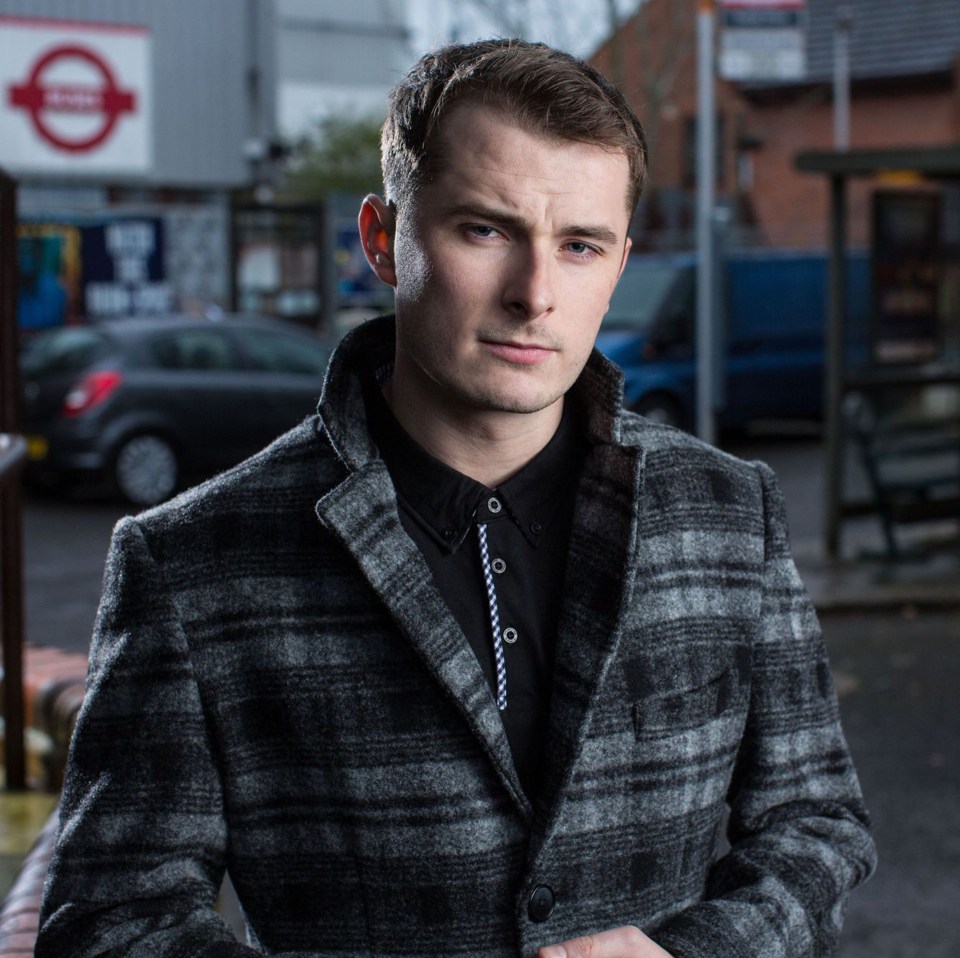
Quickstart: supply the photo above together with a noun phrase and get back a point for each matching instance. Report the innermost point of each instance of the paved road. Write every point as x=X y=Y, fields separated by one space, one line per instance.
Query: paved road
x=898 y=674
x=65 y=543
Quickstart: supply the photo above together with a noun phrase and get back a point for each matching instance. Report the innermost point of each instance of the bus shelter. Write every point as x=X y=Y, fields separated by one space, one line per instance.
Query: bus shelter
x=912 y=348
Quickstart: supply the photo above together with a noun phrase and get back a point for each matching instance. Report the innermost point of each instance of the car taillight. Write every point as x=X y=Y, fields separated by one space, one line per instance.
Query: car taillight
x=91 y=391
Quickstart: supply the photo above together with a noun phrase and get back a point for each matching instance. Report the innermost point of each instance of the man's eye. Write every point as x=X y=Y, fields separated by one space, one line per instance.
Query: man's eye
x=580 y=249
x=483 y=231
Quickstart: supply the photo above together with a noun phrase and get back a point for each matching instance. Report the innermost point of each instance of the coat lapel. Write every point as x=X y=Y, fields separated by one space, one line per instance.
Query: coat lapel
x=601 y=570
x=362 y=513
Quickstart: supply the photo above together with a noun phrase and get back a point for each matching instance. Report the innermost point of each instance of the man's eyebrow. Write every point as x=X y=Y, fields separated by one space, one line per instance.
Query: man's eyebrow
x=600 y=234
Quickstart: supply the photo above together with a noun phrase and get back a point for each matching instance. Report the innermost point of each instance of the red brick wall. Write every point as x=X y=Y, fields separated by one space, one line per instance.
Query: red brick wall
x=657 y=72
x=792 y=206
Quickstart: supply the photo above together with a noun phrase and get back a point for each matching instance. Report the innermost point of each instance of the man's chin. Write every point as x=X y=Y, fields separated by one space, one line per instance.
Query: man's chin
x=517 y=403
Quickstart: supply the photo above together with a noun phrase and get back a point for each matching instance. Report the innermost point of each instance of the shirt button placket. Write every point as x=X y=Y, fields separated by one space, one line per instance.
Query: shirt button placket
x=509 y=634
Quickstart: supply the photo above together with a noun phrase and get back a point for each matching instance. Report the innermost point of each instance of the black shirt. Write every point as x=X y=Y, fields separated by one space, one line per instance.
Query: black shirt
x=528 y=520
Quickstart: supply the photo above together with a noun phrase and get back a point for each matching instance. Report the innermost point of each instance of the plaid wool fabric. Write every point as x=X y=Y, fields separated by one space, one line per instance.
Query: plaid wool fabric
x=276 y=687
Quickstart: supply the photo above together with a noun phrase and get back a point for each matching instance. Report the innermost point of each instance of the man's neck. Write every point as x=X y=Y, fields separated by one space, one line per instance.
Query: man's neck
x=487 y=446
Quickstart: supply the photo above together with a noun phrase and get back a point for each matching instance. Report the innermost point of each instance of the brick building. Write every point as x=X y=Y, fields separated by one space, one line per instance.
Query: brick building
x=905 y=92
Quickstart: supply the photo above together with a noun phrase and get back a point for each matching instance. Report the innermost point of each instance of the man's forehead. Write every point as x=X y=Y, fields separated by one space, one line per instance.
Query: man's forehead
x=482 y=148
x=477 y=121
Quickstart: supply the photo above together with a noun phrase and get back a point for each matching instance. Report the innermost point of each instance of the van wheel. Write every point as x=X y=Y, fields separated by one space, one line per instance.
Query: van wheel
x=660 y=408
x=146 y=470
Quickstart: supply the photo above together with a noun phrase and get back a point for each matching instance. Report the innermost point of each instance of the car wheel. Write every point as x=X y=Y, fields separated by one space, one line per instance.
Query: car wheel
x=146 y=470
x=660 y=408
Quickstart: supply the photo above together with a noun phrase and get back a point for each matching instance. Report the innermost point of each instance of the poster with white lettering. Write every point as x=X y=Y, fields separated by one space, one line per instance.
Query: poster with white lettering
x=123 y=268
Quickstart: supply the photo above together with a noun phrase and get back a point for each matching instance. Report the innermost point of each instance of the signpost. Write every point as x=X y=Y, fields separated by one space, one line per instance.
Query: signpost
x=763 y=39
x=706 y=180
x=759 y=40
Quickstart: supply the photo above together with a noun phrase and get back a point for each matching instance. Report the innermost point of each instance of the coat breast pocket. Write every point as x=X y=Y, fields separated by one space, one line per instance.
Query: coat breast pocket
x=672 y=697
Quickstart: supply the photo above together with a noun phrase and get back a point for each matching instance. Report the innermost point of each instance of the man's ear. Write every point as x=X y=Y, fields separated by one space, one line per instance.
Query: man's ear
x=626 y=253
x=376 y=235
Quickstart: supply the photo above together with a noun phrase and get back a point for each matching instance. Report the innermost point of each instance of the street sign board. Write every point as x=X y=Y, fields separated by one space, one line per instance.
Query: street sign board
x=75 y=97
x=763 y=39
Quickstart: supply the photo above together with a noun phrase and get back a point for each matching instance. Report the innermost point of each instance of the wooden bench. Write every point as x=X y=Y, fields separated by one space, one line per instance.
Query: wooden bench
x=913 y=469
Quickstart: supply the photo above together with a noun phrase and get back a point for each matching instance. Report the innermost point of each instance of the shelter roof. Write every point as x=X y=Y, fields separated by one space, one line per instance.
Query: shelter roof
x=933 y=161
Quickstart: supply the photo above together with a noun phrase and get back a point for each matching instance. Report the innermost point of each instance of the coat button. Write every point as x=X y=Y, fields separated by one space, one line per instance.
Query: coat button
x=541 y=904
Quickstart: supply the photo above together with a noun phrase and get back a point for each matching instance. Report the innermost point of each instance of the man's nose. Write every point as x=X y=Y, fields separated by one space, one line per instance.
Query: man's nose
x=530 y=287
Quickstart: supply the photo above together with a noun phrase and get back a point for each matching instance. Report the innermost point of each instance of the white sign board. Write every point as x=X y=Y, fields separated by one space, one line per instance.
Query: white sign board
x=75 y=98
x=763 y=39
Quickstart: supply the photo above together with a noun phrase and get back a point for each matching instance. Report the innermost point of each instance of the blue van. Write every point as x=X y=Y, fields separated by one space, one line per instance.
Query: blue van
x=772 y=347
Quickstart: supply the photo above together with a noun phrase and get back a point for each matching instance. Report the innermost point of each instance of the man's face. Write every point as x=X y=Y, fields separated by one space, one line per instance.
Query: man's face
x=504 y=266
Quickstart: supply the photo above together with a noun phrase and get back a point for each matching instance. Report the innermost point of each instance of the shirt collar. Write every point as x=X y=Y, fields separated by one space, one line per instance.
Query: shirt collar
x=446 y=502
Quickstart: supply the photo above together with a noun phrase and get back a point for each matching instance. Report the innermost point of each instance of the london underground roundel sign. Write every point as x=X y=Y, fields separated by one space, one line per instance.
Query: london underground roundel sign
x=44 y=98
x=76 y=98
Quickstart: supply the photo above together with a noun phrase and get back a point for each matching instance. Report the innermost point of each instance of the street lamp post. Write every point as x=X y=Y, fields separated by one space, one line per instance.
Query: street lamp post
x=843 y=24
x=706 y=178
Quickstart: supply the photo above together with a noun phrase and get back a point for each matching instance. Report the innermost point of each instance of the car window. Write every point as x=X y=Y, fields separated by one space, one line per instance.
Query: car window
x=276 y=352
x=194 y=349
x=640 y=294
x=63 y=351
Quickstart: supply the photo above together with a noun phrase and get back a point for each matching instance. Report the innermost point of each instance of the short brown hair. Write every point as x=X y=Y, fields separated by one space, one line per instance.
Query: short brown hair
x=549 y=92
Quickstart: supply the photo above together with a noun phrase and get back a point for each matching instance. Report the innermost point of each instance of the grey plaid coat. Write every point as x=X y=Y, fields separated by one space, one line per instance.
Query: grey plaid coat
x=277 y=688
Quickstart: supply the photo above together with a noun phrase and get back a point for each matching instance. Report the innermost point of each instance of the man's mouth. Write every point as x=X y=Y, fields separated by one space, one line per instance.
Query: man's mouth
x=524 y=354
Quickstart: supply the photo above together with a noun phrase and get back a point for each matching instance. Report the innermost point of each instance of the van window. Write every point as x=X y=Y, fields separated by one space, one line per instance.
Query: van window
x=641 y=294
x=274 y=352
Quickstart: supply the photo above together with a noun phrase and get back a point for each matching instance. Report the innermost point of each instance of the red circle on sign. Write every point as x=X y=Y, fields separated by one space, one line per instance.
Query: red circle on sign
x=108 y=100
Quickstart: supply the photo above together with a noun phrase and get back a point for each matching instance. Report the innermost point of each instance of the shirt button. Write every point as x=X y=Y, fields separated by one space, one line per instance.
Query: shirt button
x=541 y=904
x=498 y=566
x=510 y=635
x=493 y=504
x=536 y=528
x=449 y=534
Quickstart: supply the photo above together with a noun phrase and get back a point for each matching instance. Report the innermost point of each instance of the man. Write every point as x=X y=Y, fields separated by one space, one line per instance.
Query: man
x=473 y=662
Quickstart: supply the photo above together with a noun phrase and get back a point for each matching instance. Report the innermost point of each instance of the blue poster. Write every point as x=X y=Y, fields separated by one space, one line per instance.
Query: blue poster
x=42 y=295
x=123 y=268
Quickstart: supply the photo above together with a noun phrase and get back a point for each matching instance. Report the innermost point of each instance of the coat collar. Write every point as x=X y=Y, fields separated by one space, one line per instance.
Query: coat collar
x=362 y=513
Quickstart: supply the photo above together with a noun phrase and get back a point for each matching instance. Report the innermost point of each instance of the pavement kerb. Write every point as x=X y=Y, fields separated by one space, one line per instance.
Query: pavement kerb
x=844 y=605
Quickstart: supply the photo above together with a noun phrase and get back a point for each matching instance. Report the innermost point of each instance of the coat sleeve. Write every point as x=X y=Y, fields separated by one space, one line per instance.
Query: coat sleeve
x=141 y=850
x=798 y=830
